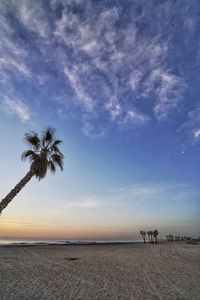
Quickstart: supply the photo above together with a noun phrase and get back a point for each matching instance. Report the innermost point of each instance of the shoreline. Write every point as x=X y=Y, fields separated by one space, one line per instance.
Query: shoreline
x=81 y=243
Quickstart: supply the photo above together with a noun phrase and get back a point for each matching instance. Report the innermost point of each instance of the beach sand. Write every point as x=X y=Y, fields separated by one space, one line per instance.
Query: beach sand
x=126 y=271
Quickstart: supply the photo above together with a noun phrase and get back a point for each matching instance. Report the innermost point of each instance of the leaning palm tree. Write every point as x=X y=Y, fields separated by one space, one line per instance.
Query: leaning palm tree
x=43 y=154
x=155 y=234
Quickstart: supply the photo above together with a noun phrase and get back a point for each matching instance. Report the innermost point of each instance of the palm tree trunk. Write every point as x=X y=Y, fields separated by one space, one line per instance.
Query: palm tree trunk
x=4 y=202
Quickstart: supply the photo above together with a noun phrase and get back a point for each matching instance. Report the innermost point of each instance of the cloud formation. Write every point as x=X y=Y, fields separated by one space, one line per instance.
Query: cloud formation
x=115 y=61
x=192 y=126
x=140 y=194
x=16 y=107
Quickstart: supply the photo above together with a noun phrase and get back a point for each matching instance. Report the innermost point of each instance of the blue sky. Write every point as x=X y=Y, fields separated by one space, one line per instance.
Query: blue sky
x=119 y=80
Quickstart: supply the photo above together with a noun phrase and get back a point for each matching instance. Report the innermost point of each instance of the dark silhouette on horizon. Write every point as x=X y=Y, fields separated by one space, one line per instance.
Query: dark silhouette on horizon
x=155 y=234
x=149 y=235
x=143 y=234
x=43 y=154
x=171 y=238
x=152 y=235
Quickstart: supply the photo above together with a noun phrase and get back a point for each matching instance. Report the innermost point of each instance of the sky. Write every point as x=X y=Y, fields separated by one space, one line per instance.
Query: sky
x=119 y=80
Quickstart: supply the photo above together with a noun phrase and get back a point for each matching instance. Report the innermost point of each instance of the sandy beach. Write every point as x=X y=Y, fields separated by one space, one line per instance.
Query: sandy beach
x=126 y=271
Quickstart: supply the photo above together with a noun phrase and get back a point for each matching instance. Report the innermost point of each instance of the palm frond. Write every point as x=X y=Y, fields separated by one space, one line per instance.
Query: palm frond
x=31 y=155
x=48 y=135
x=57 y=142
x=56 y=150
x=52 y=167
x=54 y=146
x=57 y=159
x=32 y=140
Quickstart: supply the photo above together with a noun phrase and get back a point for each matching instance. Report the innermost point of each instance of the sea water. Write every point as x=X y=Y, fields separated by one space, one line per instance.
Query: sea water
x=61 y=242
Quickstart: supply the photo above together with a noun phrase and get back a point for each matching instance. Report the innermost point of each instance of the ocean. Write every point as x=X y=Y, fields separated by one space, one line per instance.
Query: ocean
x=61 y=242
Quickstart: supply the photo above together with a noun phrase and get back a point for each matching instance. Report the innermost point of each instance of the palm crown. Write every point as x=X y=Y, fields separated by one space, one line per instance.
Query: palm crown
x=44 y=153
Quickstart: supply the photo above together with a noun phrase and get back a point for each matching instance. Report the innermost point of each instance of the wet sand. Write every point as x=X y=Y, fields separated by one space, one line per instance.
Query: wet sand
x=126 y=271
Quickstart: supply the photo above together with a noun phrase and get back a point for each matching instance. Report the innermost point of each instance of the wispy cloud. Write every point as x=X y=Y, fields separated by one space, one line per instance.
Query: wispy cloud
x=75 y=82
x=85 y=203
x=161 y=192
x=16 y=107
x=91 y=130
x=34 y=17
x=191 y=126
x=13 y=54
x=139 y=195
x=113 y=63
x=128 y=71
x=168 y=89
x=197 y=133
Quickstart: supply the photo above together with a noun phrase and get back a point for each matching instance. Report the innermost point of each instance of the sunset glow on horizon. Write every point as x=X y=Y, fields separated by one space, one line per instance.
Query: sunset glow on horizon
x=119 y=81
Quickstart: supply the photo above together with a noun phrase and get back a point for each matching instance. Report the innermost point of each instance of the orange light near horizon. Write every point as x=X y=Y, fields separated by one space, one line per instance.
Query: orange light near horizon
x=39 y=230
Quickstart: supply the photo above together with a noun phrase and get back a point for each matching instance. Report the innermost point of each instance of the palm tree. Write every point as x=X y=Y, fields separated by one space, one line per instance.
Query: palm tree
x=149 y=235
x=155 y=234
x=143 y=233
x=43 y=154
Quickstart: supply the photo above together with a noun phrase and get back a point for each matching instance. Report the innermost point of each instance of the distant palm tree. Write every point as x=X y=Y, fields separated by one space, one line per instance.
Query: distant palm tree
x=43 y=154
x=155 y=234
x=149 y=235
x=143 y=233
x=152 y=237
